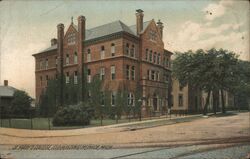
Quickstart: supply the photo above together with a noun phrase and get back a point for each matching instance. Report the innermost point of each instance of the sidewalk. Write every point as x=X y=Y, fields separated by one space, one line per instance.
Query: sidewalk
x=26 y=133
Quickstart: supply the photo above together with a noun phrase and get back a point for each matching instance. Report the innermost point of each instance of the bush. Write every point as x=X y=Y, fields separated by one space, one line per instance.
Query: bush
x=73 y=115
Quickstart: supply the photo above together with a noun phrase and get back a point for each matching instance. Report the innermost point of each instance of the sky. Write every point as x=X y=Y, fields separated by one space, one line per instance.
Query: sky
x=26 y=27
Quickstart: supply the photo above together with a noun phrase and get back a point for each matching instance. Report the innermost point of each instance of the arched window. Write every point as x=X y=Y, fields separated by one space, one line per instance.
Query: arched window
x=75 y=58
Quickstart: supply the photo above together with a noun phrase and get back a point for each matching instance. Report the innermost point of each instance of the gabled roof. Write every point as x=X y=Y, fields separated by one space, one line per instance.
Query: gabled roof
x=106 y=29
x=7 y=91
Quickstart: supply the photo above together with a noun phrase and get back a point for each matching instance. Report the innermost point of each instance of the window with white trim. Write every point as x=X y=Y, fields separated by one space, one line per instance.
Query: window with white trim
x=127 y=72
x=113 y=99
x=132 y=51
x=133 y=72
x=102 y=52
x=67 y=77
x=130 y=99
x=75 y=77
x=146 y=56
x=67 y=59
x=75 y=58
x=112 y=49
x=159 y=59
x=151 y=56
x=154 y=60
x=88 y=55
x=46 y=64
x=89 y=76
x=112 y=72
x=152 y=75
x=102 y=73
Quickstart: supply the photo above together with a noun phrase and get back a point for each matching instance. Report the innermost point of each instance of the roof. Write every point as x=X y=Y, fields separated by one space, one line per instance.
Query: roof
x=106 y=29
x=7 y=91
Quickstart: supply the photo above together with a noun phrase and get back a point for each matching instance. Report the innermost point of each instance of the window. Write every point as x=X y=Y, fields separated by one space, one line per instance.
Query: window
x=180 y=100
x=112 y=72
x=158 y=76
x=146 y=58
x=127 y=49
x=88 y=55
x=159 y=59
x=67 y=77
x=148 y=72
x=46 y=64
x=133 y=73
x=102 y=52
x=131 y=100
x=154 y=57
x=89 y=76
x=102 y=99
x=150 y=56
x=67 y=59
x=167 y=62
x=41 y=65
x=56 y=61
x=164 y=62
x=75 y=77
x=112 y=49
x=132 y=51
x=127 y=72
x=47 y=80
x=71 y=38
x=152 y=75
x=41 y=80
x=113 y=99
x=75 y=58
x=152 y=35
x=102 y=73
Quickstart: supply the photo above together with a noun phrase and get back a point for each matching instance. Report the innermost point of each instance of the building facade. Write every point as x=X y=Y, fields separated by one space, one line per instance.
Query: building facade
x=123 y=57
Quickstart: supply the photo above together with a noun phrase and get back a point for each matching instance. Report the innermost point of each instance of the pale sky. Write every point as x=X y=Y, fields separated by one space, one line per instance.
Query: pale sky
x=26 y=27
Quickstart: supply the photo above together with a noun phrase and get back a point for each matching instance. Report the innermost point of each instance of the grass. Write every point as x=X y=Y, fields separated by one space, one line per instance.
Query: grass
x=43 y=123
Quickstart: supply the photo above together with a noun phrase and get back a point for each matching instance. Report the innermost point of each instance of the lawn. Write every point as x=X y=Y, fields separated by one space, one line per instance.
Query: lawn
x=43 y=123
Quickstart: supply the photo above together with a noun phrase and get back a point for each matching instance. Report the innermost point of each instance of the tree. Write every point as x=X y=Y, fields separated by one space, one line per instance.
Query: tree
x=206 y=70
x=21 y=104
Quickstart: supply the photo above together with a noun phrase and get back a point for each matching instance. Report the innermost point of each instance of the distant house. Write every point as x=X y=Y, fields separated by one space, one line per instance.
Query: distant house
x=6 y=95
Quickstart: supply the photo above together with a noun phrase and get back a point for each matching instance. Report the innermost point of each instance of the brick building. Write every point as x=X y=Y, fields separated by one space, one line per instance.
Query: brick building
x=124 y=57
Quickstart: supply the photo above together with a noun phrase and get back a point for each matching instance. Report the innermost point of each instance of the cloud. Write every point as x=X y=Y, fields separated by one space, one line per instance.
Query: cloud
x=216 y=10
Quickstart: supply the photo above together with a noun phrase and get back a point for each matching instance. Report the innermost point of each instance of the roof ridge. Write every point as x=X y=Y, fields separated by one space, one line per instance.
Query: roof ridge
x=103 y=25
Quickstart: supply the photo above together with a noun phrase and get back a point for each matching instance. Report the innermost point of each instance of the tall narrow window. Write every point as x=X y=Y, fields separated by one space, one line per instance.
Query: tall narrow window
x=133 y=73
x=127 y=72
x=41 y=65
x=67 y=77
x=41 y=80
x=154 y=57
x=47 y=80
x=158 y=59
x=112 y=72
x=127 y=49
x=112 y=49
x=88 y=55
x=102 y=99
x=102 y=52
x=132 y=51
x=56 y=61
x=46 y=64
x=89 y=75
x=150 y=56
x=180 y=100
x=148 y=72
x=67 y=59
x=146 y=56
x=132 y=99
x=102 y=73
x=164 y=61
x=113 y=99
x=152 y=75
x=75 y=58
x=75 y=77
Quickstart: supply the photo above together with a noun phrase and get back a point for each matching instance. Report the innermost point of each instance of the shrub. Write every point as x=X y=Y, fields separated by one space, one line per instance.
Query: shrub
x=73 y=115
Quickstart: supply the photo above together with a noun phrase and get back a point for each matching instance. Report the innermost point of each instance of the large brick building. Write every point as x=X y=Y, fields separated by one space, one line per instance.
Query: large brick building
x=124 y=57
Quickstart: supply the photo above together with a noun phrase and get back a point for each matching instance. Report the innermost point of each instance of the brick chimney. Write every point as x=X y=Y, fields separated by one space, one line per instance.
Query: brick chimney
x=139 y=21
x=60 y=36
x=5 y=83
x=53 y=41
x=81 y=37
x=160 y=27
